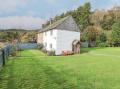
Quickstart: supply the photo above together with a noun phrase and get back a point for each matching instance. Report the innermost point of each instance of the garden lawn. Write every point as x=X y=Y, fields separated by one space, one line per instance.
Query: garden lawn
x=95 y=68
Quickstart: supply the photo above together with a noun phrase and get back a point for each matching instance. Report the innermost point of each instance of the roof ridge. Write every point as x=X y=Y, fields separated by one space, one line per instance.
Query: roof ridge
x=64 y=19
x=55 y=24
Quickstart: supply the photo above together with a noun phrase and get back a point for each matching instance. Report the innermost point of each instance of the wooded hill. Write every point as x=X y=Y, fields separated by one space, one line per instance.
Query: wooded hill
x=99 y=26
x=94 y=25
x=19 y=36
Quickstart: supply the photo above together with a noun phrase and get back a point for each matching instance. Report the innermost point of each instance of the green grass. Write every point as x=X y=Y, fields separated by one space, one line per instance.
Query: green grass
x=95 y=68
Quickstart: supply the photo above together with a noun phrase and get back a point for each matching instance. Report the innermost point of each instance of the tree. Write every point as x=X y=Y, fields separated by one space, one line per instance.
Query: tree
x=92 y=33
x=116 y=32
x=17 y=35
x=101 y=40
x=110 y=18
x=103 y=37
x=97 y=17
x=107 y=22
x=109 y=38
x=83 y=37
x=81 y=15
x=8 y=36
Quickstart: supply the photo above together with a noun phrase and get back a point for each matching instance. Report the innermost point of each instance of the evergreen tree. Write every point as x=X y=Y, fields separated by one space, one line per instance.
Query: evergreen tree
x=116 y=32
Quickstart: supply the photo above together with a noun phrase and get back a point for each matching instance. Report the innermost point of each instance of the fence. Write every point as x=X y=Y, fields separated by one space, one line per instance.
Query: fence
x=4 y=53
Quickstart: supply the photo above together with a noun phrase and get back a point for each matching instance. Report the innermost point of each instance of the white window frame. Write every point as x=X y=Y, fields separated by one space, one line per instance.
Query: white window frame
x=51 y=32
x=51 y=46
x=45 y=33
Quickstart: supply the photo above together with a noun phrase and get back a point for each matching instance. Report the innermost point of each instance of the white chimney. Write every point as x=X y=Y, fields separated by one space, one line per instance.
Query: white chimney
x=50 y=21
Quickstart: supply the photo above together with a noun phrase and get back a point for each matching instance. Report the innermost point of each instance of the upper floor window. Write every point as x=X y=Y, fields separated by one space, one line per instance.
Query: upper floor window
x=51 y=32
x=45 y=33
x=51 y=46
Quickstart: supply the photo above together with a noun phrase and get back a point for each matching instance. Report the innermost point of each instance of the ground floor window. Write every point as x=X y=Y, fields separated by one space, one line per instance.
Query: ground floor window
x=51 y=46
x=45 y=44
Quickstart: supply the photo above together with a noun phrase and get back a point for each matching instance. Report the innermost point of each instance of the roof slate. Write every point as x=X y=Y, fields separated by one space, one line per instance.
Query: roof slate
x=56 y=24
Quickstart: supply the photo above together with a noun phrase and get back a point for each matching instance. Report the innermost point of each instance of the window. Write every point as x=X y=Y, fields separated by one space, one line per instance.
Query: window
x=45 y=33
x=45 y=44
x=51 y=46
x=51 y=32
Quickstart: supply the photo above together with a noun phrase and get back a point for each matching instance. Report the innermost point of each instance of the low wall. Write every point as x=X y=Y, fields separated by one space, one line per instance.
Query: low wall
x=23 y=46
x=84 y=45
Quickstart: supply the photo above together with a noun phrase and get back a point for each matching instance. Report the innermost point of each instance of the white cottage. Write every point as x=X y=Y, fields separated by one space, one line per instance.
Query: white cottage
x=60 y=35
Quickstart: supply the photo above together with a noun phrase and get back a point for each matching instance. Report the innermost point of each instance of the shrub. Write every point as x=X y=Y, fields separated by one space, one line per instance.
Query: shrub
x=101 y=41
x=13 y=51
x=102 y=45
x=1 y=45
x=40 y=46
x=51 y=53
x=83 y=37
x=44 y=50
x=103 y=37
x=116 y=32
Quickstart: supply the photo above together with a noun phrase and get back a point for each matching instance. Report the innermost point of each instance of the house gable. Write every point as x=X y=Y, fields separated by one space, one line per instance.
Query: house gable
x=69 y=24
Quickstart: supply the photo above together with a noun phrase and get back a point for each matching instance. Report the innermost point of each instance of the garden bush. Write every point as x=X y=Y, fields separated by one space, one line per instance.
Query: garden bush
x=13 y=51
x=51 y=53
x=102 y=45
x=44 y=50
x=40 y=46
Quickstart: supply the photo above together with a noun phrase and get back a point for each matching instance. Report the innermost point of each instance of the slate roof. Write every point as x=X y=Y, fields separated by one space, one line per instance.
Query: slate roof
x=59 y=23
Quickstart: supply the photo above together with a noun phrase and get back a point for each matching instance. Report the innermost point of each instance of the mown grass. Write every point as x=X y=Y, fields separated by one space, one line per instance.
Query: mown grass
x=95 y=68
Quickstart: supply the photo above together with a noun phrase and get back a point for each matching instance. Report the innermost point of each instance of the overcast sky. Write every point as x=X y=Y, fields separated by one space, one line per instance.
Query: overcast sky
x=30 y=14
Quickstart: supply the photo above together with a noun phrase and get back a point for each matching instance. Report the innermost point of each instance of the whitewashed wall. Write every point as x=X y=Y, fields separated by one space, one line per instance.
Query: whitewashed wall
x=65 y=39
x=40 y=38
x=50 y=39
x=61 y=40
